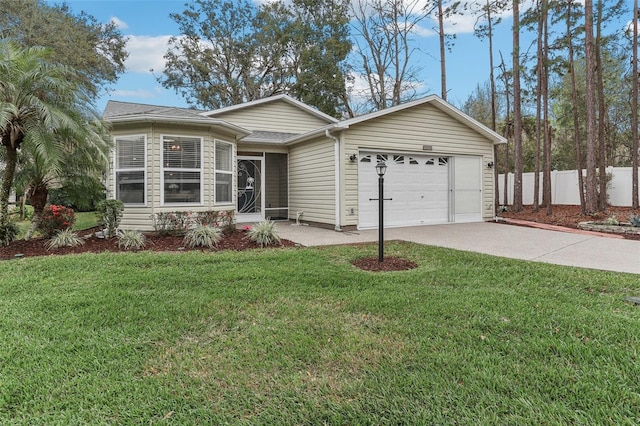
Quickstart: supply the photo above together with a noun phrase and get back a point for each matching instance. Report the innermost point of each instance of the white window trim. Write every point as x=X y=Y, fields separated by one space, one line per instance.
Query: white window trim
x=116 y=169
x=174 y=169
x=229 y=172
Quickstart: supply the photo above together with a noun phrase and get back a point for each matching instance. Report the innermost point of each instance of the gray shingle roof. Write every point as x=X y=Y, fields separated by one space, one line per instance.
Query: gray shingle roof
x=123 y=112
x=122 y=109
x=268 y=137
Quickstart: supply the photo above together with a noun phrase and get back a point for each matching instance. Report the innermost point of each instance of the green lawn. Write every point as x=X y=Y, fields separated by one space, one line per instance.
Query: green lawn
x=299 y=336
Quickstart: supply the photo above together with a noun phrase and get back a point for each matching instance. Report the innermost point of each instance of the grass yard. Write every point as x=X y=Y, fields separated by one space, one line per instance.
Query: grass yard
x=300 y=336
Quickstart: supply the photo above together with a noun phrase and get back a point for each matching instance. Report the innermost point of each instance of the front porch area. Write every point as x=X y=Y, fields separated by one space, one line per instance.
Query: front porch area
x=262 y=186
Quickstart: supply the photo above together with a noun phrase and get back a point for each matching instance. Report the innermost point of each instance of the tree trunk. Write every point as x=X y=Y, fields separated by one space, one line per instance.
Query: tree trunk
x=492 y=80
x=507 y=129
x=602 y=116
x=443 y=66
x=39 y=195
x=7 y=182
x=539 y=77
x=591 y=184
x=546 y=179
x=634 y=112
x=574 y=100
x=517 y=118
x=493 y=110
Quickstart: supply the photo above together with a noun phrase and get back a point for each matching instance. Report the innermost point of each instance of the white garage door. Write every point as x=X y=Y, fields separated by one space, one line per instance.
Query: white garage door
x=418 y=185
x=420 y=188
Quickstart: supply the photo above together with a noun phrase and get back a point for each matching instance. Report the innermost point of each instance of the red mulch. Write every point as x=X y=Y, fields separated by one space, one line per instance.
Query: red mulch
x=236 y=241
x=569 y=216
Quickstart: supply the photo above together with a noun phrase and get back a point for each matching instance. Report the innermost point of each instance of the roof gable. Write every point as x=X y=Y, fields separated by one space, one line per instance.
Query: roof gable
x=270 y=100
x=437 y=102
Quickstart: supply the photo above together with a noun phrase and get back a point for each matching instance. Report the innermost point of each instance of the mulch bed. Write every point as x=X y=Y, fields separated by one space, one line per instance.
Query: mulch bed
x=389 y=263
x=570 y=216
x=236 y=241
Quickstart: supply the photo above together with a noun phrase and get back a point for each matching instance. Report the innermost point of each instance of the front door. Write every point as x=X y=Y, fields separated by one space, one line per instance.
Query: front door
x=250 y=194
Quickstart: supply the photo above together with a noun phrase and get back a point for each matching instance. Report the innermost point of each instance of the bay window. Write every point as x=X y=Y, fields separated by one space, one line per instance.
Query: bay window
x=181 y=170
x=130 y=169
x=224 y=172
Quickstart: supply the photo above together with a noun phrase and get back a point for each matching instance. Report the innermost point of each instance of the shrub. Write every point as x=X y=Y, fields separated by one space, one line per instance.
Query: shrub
x=131 y=240
x=80 y=192
x=611 y=220
x=109 y=214
x=203 y=236
x=264 y=233
x=227 y=221
x=56 y=218
x=207 y=218
x=634 y=219
x=64 y=238
x=172 y=223
x=8 y=233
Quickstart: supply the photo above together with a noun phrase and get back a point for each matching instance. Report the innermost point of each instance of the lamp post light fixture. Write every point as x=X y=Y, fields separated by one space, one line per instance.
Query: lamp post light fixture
x=381 y=169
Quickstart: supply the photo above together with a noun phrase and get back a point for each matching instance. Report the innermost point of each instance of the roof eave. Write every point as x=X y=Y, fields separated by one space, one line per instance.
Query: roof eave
x=212 y=122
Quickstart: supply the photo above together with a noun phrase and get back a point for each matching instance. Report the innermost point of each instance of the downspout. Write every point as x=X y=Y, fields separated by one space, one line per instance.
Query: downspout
x=336 y=159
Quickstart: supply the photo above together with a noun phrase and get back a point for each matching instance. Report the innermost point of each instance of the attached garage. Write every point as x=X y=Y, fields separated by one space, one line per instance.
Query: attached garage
x=423 y=189
x=439 y=166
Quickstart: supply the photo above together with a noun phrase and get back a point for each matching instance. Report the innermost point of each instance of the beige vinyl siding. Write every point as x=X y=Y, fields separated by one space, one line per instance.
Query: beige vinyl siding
x=407 y=131
x=140 y=217
x=312 y=181
x=277 y=116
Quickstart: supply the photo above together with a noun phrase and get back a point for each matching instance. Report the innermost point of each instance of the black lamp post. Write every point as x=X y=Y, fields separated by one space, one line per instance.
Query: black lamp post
x=381 y=168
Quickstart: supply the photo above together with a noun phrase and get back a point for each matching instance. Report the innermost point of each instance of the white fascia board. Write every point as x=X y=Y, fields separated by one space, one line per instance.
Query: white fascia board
x=181 y=120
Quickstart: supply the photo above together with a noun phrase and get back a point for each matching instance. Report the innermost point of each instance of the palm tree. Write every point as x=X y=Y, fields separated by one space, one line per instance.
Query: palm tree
x=37 y=172
x=42 y=105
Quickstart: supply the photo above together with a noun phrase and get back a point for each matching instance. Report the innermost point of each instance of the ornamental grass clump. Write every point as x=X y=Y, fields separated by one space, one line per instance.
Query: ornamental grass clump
x=202 y=236
x=8 y=233
x=129 y=239
x=264 y=233
x=64 y=238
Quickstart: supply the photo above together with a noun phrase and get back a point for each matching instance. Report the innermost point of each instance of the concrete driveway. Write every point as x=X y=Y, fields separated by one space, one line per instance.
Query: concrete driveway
x=585 y=250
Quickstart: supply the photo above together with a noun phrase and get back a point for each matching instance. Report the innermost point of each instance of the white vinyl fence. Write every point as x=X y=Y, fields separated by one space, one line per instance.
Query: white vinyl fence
x=564 y=187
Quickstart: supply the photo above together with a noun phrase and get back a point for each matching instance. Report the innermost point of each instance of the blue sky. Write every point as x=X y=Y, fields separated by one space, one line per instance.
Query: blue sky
x=148 y=26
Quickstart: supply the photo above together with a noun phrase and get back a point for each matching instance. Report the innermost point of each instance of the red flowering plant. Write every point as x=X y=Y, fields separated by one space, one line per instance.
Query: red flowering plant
x=56 y=218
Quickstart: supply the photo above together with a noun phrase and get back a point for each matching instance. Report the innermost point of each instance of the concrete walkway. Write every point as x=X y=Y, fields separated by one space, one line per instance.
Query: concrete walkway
x=585 y=250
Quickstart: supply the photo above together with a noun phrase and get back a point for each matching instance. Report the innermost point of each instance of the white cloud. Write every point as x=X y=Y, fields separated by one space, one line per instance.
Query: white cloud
x=146 y=53
x=119 y=23
x=139 y=93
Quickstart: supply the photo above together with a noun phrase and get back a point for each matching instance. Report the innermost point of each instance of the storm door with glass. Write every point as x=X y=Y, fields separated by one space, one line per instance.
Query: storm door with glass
x=250 y=194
